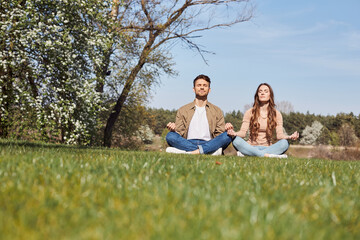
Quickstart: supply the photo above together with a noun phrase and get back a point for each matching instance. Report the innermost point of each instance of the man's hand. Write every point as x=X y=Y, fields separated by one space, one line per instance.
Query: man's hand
x=171 y=126
x=228 y=126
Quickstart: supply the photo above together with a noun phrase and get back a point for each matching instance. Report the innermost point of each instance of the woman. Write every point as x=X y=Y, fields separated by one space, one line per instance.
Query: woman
x=262 y=119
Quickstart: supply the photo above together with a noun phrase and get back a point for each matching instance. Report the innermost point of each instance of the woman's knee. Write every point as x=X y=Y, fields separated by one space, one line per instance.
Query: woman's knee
x=245 y=148
x=284 y=144
x=238 y=142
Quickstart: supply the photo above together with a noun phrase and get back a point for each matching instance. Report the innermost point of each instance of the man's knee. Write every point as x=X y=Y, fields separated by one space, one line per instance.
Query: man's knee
x=170 y=137
x=225 y=137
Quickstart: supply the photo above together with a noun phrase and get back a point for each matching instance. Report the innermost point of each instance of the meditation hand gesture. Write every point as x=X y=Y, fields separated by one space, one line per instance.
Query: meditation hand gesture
x=171 y=126
x=293 y=136
x=229 y=128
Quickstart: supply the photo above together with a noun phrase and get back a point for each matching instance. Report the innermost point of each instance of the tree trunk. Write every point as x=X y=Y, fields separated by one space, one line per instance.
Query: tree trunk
x=125 y=92
x=120 y=103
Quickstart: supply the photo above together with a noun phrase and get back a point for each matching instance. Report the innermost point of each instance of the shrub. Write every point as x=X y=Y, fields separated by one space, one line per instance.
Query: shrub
x=145 y=134
x=347 y=135
x=325 y=136
x=311 y=134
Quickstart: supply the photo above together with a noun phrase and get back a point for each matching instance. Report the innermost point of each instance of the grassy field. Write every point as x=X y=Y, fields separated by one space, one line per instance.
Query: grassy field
x=61 y=192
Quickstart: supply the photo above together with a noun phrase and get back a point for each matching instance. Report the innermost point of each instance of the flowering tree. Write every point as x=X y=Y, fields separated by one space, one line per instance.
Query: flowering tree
x=311 y=134
x=48 y=51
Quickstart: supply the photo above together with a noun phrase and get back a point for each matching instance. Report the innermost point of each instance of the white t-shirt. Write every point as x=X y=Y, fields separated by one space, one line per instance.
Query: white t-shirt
x=199 y=125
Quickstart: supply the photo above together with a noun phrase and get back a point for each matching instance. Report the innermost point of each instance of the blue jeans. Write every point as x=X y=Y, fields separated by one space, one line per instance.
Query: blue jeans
x=175 y=140
x=245 y=148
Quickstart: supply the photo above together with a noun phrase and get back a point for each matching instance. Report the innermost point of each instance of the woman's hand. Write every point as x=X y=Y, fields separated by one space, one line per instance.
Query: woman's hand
x=231 y=133
x=229 y=128
x=293 y=136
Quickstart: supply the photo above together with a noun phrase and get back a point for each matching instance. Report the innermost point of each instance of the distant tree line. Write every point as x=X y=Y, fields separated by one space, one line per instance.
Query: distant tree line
x=138 y=125
x=342 y=129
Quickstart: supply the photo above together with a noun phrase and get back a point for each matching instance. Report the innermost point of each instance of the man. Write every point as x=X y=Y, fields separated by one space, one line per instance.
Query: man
x=199 y=127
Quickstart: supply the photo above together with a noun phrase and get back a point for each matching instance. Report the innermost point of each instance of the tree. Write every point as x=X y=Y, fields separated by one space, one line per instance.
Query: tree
x=325 y=136
x=334 y=139
x=49 y=49
x=357 y=126
x=131 y=123
x=285 y=107
x=347 y=135
x=159 y=118
x=297 y=121
x=146 y=134
x=151 y=26
x=311 y=134
x=234 y=117
x=247 y=107
x=63 y=61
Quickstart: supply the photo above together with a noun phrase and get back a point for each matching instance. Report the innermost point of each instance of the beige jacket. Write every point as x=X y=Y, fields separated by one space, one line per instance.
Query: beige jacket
x=214 y=115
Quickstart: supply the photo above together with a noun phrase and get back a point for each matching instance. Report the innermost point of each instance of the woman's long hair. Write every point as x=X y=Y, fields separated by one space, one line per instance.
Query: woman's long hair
x=271 y=117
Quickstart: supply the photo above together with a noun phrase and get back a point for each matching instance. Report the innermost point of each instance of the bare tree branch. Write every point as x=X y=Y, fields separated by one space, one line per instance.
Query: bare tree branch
x=153 y=24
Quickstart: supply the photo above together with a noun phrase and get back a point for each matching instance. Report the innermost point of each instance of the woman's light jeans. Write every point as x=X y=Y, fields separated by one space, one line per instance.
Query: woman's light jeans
x=245 y=148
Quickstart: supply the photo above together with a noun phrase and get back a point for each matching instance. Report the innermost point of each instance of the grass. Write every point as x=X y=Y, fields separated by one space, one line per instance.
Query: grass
x=59 y=192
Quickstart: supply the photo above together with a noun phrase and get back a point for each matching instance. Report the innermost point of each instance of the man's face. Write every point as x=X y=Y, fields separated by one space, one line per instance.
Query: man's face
x=201 y=88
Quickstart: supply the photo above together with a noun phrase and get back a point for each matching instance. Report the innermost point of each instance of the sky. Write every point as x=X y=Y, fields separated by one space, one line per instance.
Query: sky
x=308 y=51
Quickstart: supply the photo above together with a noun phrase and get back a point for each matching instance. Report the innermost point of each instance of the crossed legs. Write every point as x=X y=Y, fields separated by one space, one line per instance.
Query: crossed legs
x=175 y=140
x=245 y=148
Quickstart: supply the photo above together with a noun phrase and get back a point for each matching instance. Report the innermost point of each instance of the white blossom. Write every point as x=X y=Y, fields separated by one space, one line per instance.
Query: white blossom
x=311 y=134
x=66 y=97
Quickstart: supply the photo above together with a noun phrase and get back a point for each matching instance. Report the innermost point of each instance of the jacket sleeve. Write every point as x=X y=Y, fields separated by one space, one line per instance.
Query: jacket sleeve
x=220 y=123
x=180 y=123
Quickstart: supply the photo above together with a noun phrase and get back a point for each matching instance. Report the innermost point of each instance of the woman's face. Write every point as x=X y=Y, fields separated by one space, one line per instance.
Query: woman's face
x=264 y=93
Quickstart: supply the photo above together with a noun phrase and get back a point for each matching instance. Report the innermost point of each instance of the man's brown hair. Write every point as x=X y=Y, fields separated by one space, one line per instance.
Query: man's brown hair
x=202 y=76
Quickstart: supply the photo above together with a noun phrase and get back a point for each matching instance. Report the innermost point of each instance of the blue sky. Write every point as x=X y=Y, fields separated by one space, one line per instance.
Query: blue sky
x=308 y=51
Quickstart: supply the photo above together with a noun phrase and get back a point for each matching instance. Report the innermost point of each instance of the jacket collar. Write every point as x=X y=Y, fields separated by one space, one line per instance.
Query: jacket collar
x=192 y=106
